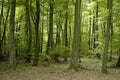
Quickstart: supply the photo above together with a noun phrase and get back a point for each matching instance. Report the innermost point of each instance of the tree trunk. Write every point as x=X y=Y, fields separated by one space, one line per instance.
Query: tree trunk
x=96 y=24
x=28 y=32
x=76 y=36
x=50 y=42
x=118 y=62
x=66 y=29
x=58 y=40
x=37 y=47
x=3 y=39
x=1 y=18
x=97 y=30
x=42 y=35
x=107 y=37
x=70 y=34
x=89 y=35
x=93 y=31
x=111 y=40
x=12 y=55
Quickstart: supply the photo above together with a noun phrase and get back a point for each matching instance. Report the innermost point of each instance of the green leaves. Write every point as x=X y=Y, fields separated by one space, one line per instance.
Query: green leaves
x=61 y=51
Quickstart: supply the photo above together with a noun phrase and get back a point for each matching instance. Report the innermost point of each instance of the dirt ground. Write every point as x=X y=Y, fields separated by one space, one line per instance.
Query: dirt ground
x=60 y=71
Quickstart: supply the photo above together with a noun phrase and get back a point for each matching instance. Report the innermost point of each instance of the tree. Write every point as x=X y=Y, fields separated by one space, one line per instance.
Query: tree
x=89 y=34
x=96 y=24
x=28 y=30
x=12 y=55
x=76 y=36
x=59 y=27
x=3 y=39
x=1 y=19
x=50 y=42
x=118 y=62
x=37 y=41
x=107 y=36
x=66 y=28
x=97 y=30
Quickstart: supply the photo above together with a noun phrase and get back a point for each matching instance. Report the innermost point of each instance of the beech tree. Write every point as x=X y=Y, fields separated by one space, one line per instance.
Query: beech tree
x=107 y=36
x=12 y=55
x=76 y=36
x=50 y=42
x=28 y=30
x=37 y=41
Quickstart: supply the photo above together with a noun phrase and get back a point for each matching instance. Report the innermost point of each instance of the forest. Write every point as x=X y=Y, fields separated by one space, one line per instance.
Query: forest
x=59 y=39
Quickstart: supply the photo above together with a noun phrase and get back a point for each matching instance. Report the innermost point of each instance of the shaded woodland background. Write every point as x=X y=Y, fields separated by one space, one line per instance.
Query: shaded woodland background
x=54 y=31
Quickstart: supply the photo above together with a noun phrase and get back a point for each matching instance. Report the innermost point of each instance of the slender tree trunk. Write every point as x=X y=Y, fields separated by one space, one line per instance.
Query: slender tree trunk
x=70 y=34
x=37 y=48
x=111 y=40
x=89 y=40
x=104 y=27
x=118 y=62
x=5 y=25
x=76 y=36
x=59 y=29
x=17 y=29
x=12 y=55
x=66 y=29
x=4 y=49
x=28 y=31
x=93 y=31
x=3 y=40
x=58 y=41
x=50 y=42
x=1 y=16
x=97 y=30
x=66 y=26
x=42 y=35
x=1 y=19
x=96 y=24
x=107 y=37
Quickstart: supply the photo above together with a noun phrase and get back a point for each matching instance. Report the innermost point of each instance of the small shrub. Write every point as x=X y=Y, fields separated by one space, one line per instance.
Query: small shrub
x=60 y=52
x=44 y=57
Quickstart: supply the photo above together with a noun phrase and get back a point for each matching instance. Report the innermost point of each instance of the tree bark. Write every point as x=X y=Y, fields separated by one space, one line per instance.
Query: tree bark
x=96 y=24
x=50 y=42
x=1 y=18
x=89 y=35
x=76 y=36
x=107 y=37
x=66 y=29
x=12 y=56
x=93 y=31
x=70 y=34
x=66 y=26
x=28 y=32
x=42 y=36
x=118 y=62
x=58 y=40
x=37 y=47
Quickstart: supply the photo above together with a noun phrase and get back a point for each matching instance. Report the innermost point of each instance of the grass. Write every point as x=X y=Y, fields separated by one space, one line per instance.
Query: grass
x=59 y=71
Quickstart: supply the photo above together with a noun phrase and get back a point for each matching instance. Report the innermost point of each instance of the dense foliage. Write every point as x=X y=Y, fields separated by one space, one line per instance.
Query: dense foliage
x=44 y=30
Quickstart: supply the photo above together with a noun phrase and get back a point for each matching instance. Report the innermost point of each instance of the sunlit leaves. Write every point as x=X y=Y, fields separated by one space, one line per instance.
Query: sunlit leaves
x=91 y=6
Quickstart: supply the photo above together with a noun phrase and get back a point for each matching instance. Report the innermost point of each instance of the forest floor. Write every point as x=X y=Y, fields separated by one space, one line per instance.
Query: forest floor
x=59 y=71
